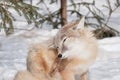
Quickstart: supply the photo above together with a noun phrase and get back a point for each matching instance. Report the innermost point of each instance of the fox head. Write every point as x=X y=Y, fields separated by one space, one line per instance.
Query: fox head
x=67 y=39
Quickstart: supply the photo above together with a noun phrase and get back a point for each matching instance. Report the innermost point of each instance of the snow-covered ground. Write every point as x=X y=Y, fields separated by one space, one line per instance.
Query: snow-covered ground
x=13 y=49
x=13 y=52
x=107 y=66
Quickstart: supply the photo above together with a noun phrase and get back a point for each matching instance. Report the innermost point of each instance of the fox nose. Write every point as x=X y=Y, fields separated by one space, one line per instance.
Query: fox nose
x=59 y=55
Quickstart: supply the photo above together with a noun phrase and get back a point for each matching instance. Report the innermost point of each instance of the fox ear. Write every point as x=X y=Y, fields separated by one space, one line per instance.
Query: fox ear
x=69 y=26
x=74 y=25
x=81 y=23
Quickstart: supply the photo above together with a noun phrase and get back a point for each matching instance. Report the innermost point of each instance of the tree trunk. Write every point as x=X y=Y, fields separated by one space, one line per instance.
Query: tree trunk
x=63 y=12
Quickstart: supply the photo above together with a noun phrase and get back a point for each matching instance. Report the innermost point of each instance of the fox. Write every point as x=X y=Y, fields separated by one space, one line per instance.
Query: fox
x=77 y=49
x=69 y=53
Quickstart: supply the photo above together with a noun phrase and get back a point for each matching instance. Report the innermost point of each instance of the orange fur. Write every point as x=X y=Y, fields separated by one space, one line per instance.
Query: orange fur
x=41 y=58
x=39 y=62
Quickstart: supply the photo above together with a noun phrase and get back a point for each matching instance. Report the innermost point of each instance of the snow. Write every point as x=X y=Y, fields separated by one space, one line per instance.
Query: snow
x=14 y=48
x=13 y=52
x=106 y=44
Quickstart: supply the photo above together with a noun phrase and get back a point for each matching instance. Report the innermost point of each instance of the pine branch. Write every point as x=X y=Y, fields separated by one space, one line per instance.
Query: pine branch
x=49 y=13
x=23 y=9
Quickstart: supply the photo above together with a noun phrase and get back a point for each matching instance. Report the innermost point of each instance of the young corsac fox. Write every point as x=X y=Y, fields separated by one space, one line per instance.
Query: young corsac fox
x=75 y=50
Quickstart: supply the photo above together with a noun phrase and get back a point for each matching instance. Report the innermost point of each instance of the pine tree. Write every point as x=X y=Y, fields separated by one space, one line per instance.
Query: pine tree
x=63 y=12
x=94 y=17
x=58 y=17
x=23 y=9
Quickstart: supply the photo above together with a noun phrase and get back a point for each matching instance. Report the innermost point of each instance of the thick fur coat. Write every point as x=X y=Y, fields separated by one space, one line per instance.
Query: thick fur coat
x=76 y=48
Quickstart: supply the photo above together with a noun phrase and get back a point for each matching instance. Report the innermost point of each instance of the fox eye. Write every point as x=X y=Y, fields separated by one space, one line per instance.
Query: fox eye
x=64 y=40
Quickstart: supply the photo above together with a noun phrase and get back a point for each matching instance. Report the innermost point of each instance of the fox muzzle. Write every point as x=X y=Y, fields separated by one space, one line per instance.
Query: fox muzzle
x=59 y=55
